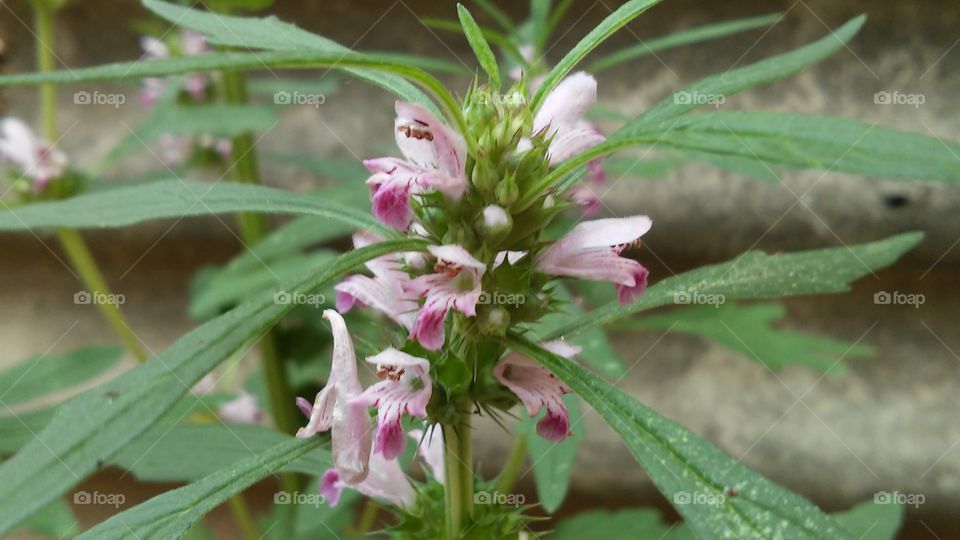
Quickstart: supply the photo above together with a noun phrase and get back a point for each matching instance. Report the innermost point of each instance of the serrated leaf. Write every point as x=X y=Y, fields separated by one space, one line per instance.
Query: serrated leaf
x=613 y=22
x=756 y=274
x=170 y=515
x=717 y=495
x=38 y=376
x=813 y=142
x=747 y=329
x=92 y=427
x=481 y=49
x=681 y=38
x=174 y=199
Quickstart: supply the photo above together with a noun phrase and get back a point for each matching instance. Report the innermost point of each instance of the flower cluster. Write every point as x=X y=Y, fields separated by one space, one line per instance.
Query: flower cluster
x=462 y=193
x=38 y=161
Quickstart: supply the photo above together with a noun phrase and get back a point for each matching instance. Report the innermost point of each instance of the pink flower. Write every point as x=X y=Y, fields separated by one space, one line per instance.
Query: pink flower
x=434 y=158
x=334 y=408
x=383 y=292
x=561 y=117
x=241 y=410
x=36 y=158
x=454 y=285
x=385 y=482
x=537 y=387
x=191 y=44
x=592 y=251
x=405 y=388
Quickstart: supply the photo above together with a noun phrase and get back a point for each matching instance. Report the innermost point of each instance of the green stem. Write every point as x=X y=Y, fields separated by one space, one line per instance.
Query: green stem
x=458 y=467
x=241 y=512
x=511 y=471
x=96 y=287
x=73 y=245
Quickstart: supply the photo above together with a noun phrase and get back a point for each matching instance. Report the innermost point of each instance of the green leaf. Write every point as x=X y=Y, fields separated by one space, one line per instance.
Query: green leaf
x=171 y=514
x=597 y=350
x=189 y=452
x=226 y=289
x=872 y=521
x=311 y=522
x=725 y=498
x=218 y=120
x=553 y=462
x=272 y=34
x=748 y=331
x=734 y=81
x=539 y=23
x=812 y=142
x=756 y=274
x=496 y=14
x=45 y=374
x=55 y=520
x=627 y=523
x=91 y=428
x=175 y=199
x=613 y=22
x=684 y=37
x=481 y=49
x=18 y=429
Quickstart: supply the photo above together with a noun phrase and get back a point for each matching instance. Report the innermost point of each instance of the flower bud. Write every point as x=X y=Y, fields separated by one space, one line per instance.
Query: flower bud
x=495 y=322
x=485 y=176
x=495 y=222
x=508 y=191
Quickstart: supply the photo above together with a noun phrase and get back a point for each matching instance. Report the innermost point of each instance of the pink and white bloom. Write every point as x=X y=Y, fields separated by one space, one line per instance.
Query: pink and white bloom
x=191 y=44
x=537 y=387
x=36 y=158
x=405 y=388
x=336 y=410
x=592 y=251
x=454 y=285
x=385 y=482
x=383 y=292
x=561 y=117
x=243 y=409
x=434 y=157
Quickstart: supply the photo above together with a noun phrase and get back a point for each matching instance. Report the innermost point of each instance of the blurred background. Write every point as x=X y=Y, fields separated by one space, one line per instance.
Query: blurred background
x=888 y=423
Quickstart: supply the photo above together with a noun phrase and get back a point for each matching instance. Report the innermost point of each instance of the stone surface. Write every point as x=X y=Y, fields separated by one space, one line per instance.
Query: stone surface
x=888 y=424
